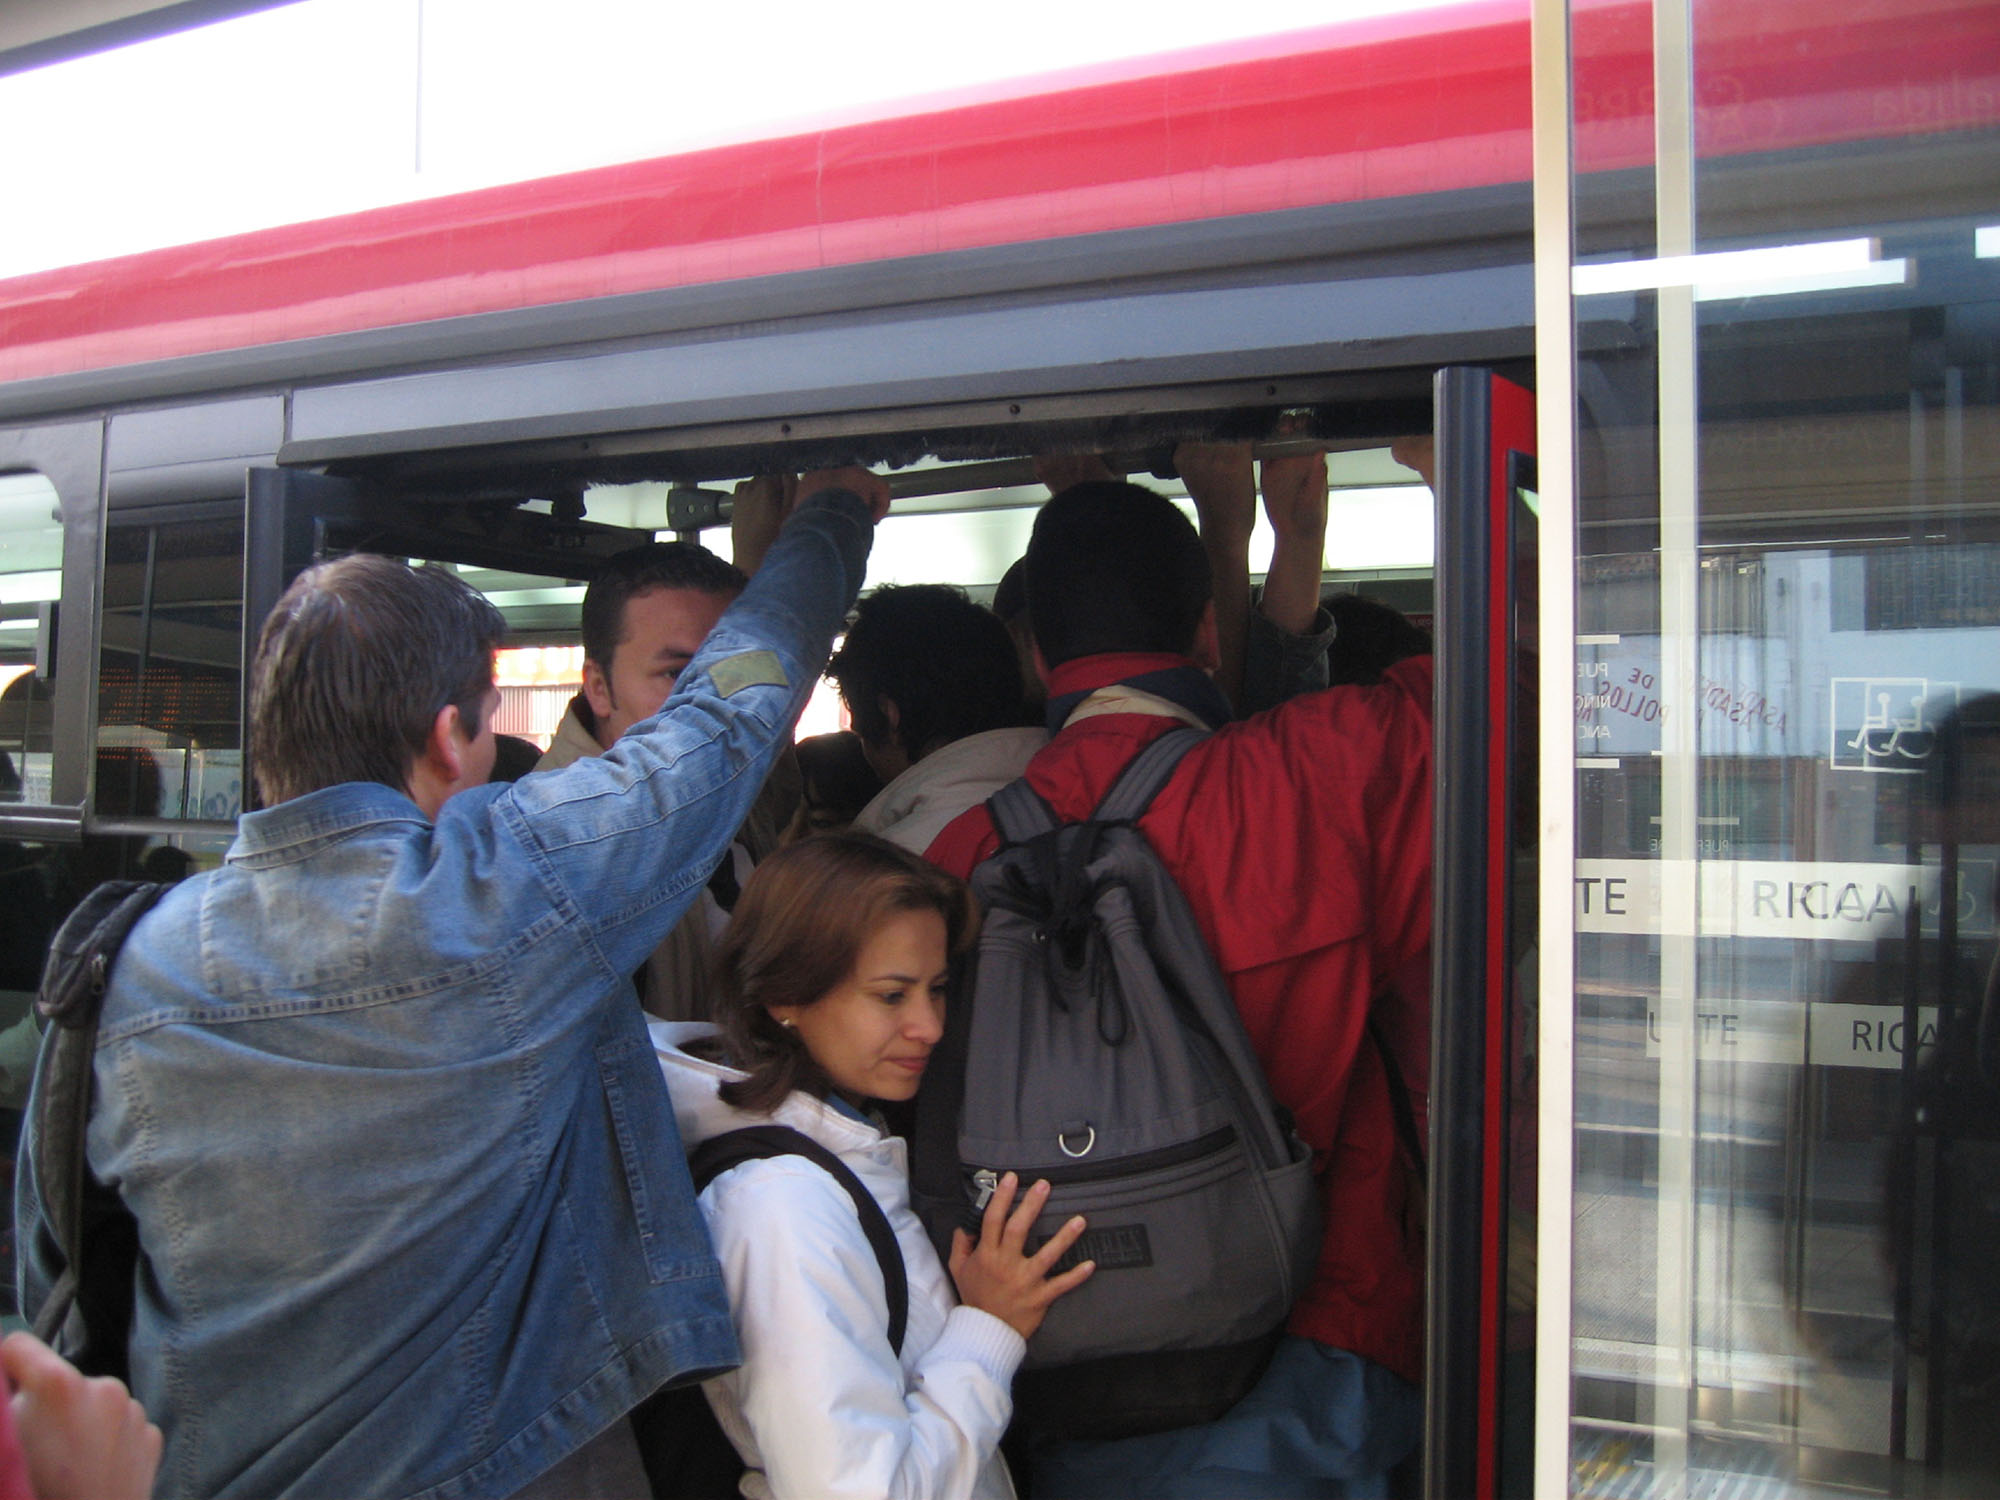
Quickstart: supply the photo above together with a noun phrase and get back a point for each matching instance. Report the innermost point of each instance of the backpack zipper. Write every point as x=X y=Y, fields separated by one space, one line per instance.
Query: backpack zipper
x=986 y=1179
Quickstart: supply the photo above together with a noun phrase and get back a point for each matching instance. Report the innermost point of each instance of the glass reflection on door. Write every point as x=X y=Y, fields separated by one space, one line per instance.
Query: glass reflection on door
x=1787 y=741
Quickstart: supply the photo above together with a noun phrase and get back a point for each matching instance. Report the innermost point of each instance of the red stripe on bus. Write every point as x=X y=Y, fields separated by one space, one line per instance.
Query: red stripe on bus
x=1329 y=123
x=1390 y=107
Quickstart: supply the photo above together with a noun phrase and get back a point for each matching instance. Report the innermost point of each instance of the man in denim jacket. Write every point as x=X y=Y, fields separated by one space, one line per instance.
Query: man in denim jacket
x=413 y=1213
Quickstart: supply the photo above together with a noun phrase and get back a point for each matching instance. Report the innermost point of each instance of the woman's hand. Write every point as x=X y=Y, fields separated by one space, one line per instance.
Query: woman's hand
x=995 y=1273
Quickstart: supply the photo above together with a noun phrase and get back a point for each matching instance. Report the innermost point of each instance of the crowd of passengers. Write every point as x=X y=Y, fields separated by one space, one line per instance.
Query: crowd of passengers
x=406 y=1151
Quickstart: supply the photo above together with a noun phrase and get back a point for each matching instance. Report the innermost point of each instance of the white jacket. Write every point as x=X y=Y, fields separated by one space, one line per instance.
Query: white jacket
x=914 y=809
x=821 y=1406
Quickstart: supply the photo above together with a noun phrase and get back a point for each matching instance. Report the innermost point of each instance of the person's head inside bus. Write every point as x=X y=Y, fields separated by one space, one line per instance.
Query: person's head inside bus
x=645 y=614
x=922 y=667
x=835 y=783
x=371 y=670
x=934 y=688
x=1116 y=568
x=1010 y=604
x=644 y=617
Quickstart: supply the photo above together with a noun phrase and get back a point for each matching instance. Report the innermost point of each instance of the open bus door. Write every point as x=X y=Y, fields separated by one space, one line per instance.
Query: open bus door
x=1479 y=1377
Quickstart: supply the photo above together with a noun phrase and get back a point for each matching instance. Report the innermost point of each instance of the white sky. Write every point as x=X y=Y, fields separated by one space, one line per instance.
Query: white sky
x=328 y=106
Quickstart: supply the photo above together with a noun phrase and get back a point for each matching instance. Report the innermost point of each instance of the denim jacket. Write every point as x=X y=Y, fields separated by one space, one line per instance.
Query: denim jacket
x=413 y=1211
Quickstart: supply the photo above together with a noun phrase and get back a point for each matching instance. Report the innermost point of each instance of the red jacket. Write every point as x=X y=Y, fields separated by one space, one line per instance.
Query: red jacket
x=1302 y=840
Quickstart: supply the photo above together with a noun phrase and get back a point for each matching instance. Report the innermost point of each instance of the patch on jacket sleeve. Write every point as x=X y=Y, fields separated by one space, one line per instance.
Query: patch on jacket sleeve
x=747 y=669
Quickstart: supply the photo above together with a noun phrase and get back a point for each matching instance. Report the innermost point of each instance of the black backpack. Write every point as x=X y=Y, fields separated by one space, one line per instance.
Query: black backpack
x=85 y=1238
x=1097 y=1045
x=686 y=1453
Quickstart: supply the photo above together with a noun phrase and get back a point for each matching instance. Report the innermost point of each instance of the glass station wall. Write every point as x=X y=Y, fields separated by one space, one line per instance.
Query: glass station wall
x=1787 y=742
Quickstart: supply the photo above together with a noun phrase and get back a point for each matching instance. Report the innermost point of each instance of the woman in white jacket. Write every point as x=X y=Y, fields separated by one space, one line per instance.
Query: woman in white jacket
x=831 y=984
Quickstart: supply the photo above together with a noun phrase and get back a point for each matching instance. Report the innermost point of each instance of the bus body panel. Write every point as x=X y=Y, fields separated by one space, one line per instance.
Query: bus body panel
x=1392 y=108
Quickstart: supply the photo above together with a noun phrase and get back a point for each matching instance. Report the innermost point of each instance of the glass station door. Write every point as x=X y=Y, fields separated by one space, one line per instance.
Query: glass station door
x=1783 y=1209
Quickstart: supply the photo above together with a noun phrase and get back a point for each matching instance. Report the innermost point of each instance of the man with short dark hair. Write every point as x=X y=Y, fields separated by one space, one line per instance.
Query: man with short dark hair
x=931 y=683
x=645 y=615
x=413 y=1216
x=1301 y=838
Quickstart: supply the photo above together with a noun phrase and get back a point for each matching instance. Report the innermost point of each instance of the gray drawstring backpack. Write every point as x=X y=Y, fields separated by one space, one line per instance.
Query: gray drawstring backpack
x=1096 y=1044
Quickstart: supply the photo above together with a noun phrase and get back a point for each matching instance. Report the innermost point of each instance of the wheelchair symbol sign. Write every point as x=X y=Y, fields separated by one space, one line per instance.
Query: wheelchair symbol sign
x=1887 y=725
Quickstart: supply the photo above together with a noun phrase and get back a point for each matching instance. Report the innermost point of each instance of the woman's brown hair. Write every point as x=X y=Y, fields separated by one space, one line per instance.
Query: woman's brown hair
x=798 y=931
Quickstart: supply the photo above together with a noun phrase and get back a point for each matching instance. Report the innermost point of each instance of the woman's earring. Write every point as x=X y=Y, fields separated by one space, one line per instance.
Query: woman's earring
x=789 y=1024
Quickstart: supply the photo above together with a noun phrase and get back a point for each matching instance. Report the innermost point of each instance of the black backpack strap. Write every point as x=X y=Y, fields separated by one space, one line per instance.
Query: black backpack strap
x=1152 y=768
x=732 y=1148
x=81 y=1215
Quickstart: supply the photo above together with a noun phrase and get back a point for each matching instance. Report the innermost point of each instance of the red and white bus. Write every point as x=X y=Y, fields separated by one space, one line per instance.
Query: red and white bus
x=1753 y=255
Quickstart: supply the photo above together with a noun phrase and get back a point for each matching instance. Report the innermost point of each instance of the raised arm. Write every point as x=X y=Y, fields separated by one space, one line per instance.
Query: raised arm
x=1295 y=503
x=630 y=836
x=1223 y=486
x=1290 y=633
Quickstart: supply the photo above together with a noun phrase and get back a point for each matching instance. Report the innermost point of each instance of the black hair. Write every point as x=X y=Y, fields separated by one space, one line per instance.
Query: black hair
x=835 y=779
x=948 y=666
x=513 y=757
x=1010 y=594
x=657 y=565
x=1370 y=637
x=1114 y=567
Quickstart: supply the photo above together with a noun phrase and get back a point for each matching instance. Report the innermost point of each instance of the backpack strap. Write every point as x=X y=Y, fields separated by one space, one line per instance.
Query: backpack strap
x=1152 y=768
x=1127 y=801
x=732 y=1148
x=1020 y=813
x=70 y=1002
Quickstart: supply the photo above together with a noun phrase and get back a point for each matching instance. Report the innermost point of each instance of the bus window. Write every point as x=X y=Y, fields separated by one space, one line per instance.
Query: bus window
x=170 y=684
x=30 y=581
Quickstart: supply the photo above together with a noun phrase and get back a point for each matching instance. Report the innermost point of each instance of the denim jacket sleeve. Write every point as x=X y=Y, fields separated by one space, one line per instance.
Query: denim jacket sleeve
x=625 y=840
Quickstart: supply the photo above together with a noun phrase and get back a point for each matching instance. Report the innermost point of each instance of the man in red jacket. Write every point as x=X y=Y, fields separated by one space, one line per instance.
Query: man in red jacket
x=1302 y=840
